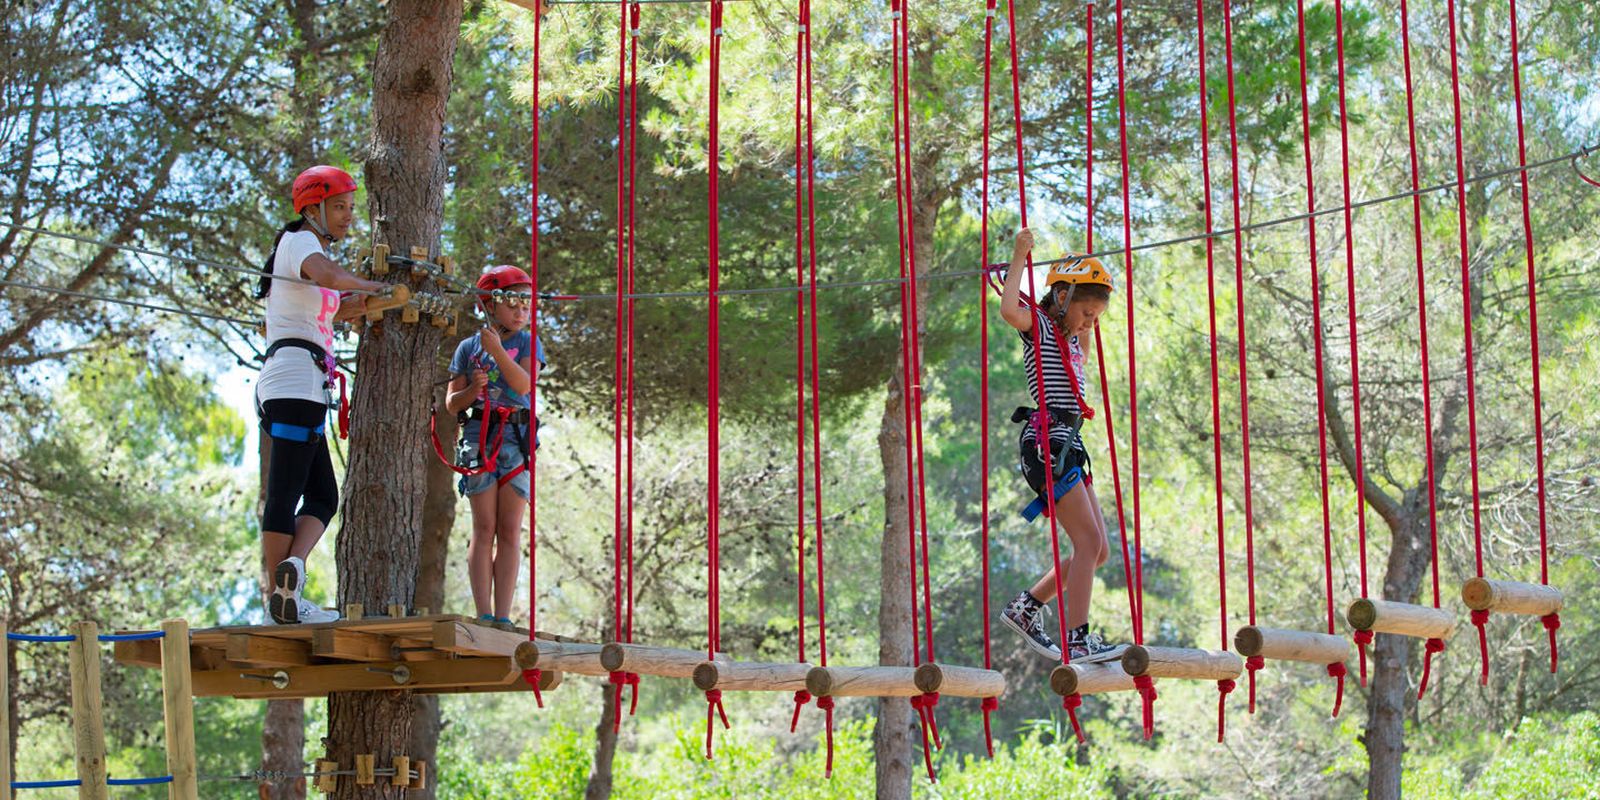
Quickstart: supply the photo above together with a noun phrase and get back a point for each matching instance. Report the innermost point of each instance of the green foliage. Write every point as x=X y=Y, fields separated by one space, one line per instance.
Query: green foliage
x=1541 y=757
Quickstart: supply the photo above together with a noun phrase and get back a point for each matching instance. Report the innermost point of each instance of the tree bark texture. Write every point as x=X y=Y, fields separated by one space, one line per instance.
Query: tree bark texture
x=605 y=746
x=283 y=731
x=386 y=484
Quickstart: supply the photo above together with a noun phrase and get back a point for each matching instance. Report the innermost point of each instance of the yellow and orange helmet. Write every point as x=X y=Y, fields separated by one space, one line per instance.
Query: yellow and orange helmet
x=1077 y=269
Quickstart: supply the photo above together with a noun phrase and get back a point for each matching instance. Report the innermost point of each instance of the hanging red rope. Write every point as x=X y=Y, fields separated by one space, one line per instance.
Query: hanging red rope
x=713 y=370
x=1552 y=621
x=1479 y=618
x=1146 y=687
x=1224 y=687
x=532 y=676
x=990 y=704
x=1336 y=670
x=1434 y=645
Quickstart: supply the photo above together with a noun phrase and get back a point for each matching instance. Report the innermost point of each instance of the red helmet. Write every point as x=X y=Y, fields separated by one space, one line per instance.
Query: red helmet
x=504 y=276
x=320 y=183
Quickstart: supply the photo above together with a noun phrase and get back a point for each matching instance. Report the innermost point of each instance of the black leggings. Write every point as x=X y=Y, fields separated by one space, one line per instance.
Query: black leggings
x=300 y=465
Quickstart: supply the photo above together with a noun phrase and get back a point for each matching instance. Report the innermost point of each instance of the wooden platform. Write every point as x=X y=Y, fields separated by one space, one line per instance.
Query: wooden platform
x=441 y=654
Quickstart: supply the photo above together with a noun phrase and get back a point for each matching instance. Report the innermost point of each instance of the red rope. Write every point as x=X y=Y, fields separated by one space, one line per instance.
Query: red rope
x=1038 y=349
x=1216 y=386
x=532 y=676
x=1239 y=314
x=990 y=704
x=905 y=340
x=713 y=370
x=1533 y=325
x=1466 y=309
x=1317 y=349
x=1133 y=360
x=1434 y=646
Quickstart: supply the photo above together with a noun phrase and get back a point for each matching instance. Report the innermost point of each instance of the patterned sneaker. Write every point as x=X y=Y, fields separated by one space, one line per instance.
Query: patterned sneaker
x=283 y=603
x=1026 y=616
x=310 y=613
x=1084 y=647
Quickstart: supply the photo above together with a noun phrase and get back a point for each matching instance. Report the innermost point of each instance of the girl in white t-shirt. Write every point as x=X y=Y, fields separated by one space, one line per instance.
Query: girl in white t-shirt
x=302 y=285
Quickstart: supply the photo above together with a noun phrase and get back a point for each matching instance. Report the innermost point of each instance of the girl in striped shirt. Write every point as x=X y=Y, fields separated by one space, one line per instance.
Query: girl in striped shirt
x=1077 y=292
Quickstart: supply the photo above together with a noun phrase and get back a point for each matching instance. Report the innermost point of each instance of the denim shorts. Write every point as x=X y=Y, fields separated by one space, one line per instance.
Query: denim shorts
x=511 y=458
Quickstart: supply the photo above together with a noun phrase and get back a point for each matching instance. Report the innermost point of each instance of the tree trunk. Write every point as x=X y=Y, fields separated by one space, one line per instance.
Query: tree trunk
x=387 y=479
x=605 y=746
x=891 y=739
x=1391 y=690
x=438 y=518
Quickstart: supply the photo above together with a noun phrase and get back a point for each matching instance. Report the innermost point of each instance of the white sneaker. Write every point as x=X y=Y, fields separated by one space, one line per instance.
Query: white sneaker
x=310 y=613
x=283 y=604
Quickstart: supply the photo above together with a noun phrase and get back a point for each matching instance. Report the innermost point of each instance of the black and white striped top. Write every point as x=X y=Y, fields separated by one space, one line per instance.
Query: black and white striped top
x=1060 y=393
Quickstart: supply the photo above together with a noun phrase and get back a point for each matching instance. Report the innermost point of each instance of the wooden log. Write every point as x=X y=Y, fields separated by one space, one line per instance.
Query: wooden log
x=863 y=682
x=1405 y=619
x=1069 y=679
x=1287 y=645
x=443 y=676
x=1511 y=597
x=574 y=657
x=88 y=726
x=643 y=659
x=1182 y=662
x=952 y=681
x=177 y=698
x=750 y=676
x=266 y=651
x=377 y=305
x=5 y=714
x=550 y=679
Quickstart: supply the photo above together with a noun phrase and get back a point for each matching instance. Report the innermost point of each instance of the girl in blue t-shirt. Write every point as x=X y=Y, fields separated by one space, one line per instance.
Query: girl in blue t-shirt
x=491 y=376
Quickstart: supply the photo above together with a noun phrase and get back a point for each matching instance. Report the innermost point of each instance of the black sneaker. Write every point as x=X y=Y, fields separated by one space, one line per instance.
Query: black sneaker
x=1084 y=647
x=1026 y=616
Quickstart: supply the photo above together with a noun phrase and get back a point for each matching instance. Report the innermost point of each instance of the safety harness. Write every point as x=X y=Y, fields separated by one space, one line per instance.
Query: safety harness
x=329 y=367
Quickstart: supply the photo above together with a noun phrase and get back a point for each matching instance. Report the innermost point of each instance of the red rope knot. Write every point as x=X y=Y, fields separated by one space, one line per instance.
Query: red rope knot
x=1337 y=671
x=923 y=704
x=1088 y=413
x=713 y=709
x=1552 y=623
x=619 y=680
x=1251 y=665
x=1480 y=619
x=532 y=677
x=1147 y=691
x=1071 y=703
x=1363 y=638
x=800 y=699
x=1433 y=646
x=1224 y=688
x=826 y=704
x=990 y=704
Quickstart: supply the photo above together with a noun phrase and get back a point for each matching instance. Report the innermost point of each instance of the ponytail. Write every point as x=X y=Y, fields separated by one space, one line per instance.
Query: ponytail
x=264 y=288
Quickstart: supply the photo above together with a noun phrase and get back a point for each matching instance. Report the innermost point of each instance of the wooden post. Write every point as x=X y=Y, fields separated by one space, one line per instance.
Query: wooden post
x=643 y=659
x=1287 y=645
x=574 y=657
x=959 y=681
x=750 y=676
x=5 y=713
x=177 y=695
x=1069 y=679
x=1182 y=662
x=88 y=729
x=1384 y=616
x=863 y=682
x=1510 y=597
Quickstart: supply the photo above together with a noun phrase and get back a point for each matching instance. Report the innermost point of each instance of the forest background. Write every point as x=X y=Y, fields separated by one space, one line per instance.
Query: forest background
x=129 y=467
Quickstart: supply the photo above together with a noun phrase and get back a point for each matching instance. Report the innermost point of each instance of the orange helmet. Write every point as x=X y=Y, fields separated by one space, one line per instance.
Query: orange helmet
x=1077 y=270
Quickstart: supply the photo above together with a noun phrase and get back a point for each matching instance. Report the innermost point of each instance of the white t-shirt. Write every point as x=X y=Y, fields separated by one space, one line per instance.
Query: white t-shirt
x=297 y=311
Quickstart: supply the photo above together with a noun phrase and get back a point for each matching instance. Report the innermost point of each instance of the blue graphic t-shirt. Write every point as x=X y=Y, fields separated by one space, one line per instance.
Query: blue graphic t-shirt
x=470 y=355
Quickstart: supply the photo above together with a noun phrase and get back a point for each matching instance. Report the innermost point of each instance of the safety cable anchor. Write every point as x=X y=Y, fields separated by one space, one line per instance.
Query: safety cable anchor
x=279 y=679
x=400 y=673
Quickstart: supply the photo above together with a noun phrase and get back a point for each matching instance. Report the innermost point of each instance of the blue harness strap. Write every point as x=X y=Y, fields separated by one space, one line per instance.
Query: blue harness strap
x=296 y=433
x=1064 y=485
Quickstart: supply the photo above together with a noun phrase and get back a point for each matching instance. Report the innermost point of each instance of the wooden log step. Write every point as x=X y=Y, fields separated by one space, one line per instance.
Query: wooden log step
x=863 y=682
x=1510 y=597
x=1182 y=662
x=952 y=681
x=443 y=676
x=750 y=676
x=1405 y=619
x=644 y=659
x=1286 y=645
x=574 y=657
x=1069 y=679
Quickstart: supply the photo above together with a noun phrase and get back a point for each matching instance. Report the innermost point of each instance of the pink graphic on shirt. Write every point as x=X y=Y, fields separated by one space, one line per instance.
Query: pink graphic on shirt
x=330 y=307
